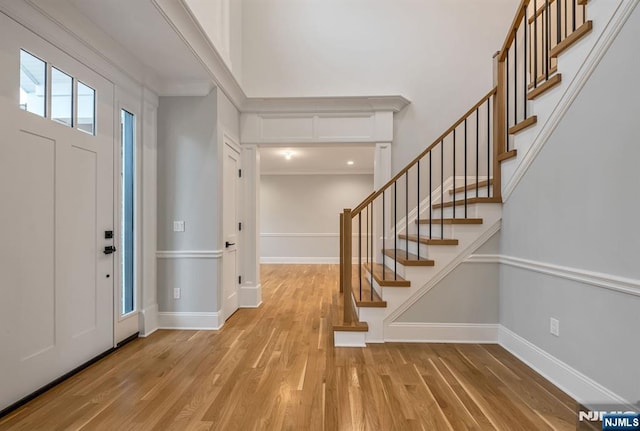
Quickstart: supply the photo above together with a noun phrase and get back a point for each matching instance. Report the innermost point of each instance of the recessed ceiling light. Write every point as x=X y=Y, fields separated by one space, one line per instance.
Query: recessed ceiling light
x=288 y=155
x=350 y=162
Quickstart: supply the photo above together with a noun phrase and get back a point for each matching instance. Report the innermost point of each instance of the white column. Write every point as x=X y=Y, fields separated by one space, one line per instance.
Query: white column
x=250 y=290
x=381 y=175
x=149 y=300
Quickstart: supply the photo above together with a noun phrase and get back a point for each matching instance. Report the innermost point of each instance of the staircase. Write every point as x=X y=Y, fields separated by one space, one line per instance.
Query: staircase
x=402 y=240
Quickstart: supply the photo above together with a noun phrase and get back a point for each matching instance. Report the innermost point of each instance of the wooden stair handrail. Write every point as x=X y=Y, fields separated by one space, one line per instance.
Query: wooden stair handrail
x=511 y=34
x=440 y=138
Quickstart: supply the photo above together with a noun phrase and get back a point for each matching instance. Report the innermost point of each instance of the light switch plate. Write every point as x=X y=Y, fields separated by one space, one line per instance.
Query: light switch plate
x=178 y=226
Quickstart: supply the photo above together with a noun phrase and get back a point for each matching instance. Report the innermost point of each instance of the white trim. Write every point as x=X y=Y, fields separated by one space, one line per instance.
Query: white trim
x=483 y=258
x=189 y=254
x=250 y=296
x=577 y=385
x=301 y=260
x=190 y=320
x=337 y=172
x=413 y=332
x=616 y=283
x=333 y=105
x=304 y=235
x=149 y=320
x=597 y=53
x=349 y=339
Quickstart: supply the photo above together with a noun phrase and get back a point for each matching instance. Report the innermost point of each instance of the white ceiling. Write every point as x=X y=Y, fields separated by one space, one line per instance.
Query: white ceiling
x=140 y=28
x=317 y=160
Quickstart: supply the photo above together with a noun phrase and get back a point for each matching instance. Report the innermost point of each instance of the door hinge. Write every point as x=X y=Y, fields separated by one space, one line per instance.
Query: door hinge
x=239 y=279
x=239 y=173
x=240 y=226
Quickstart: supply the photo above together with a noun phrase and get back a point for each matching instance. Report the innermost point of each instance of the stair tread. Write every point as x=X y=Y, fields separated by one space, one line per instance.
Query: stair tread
x=545 y=86
x=385 y=276
x=472 y=186
x=337 y=308
x=429 y=241
x=435 y=221
x=469 y=202
x=409 y=259
x=369 y=297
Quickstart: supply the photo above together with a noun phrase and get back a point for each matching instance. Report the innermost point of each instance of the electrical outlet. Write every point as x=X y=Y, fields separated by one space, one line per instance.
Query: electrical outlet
x=176 y=293
x=178 y=226
x=554 y=327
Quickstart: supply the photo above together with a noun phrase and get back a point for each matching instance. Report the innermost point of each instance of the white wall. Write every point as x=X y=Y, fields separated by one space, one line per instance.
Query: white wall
x=573 y=222
x=437 y=53
x=299 y=215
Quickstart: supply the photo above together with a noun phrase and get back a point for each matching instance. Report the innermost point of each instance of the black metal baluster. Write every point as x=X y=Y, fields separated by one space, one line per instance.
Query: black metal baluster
x=367 y=240
x=465 y=168
x=360 y=252
x=525 y=64
x=441 y=187
x=507 y=102
x=454 y=173
x=372 y=258
x=430 y=197
x=566 y=18
x=535 y=43
x=558 y=23
x=515 y=77
x=417 y=210
x=384 y=237
x=584 y=13
x=547 y=45
x=573 y=14
x=488 y=144
x=477 y=147
x=406 y=213
x=395 y=230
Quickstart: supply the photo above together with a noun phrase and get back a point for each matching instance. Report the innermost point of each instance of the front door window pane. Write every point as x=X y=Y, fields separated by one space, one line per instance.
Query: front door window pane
x=86 y=108
x=61 y=97
x=33 y=83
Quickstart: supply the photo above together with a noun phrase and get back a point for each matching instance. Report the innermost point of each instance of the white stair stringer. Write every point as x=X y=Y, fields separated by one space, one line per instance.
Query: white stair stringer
x=423 y=279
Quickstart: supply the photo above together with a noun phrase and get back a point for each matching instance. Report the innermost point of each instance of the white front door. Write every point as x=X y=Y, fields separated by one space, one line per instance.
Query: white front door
x=230 y=230
x=56 y=209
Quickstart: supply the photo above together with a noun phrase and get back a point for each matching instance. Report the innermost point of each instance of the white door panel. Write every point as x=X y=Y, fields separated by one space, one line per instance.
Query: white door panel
x=230 y=230
x=56 y=201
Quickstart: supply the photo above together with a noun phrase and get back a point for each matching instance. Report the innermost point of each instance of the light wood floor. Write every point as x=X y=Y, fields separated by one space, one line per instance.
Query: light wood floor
x=274 y=368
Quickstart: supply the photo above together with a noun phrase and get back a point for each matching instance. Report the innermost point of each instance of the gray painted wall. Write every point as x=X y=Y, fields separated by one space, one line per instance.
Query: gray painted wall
x=187 y=190
x=299 y=205
x=577 y=207
x=468 y=294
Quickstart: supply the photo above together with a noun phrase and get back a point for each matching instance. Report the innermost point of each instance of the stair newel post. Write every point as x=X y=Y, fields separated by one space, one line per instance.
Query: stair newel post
x=346 y=266
x=341 y=251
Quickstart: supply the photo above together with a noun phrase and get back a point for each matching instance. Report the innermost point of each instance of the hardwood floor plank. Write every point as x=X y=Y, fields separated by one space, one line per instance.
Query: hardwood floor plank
x=275 y=368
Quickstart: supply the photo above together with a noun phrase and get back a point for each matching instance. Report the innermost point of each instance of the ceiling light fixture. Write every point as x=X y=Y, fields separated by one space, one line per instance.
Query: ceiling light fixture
x=288 y=155
x=350 y=162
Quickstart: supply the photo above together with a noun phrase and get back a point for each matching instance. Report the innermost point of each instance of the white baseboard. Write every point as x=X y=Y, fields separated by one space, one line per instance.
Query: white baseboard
x=149 y=320
x=580 y=387
x=411 y=332
x=303 y=260
x=349 y=339
x=250 y=296
x=190 y=320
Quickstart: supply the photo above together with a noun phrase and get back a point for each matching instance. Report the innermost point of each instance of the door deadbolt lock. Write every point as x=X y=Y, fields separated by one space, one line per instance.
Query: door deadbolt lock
x=109 y=249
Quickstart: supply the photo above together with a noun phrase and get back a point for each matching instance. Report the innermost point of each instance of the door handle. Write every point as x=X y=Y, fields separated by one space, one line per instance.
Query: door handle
x=228 y=244
x=109 y=249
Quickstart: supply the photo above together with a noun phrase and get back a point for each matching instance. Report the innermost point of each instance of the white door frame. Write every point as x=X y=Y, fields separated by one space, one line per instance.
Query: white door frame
x=126 y=325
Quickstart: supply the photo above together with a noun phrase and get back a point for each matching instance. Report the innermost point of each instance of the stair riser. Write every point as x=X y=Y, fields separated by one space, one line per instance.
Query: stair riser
x=442 y=231
x=473 y=211
x=471 y=193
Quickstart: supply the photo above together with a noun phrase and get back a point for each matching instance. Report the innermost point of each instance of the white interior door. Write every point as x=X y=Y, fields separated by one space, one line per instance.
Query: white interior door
x=230 y=230
x=56 y=194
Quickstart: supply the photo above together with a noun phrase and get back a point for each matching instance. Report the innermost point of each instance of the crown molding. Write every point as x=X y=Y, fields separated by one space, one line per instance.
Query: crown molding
x=391 y=103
